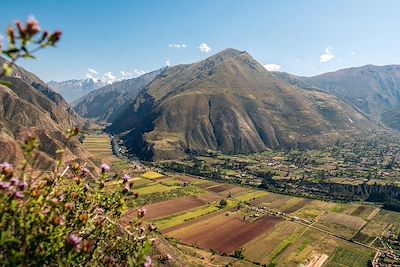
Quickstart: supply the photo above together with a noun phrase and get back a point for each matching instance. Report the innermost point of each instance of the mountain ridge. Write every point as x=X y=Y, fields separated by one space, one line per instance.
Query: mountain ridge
x=238 y=107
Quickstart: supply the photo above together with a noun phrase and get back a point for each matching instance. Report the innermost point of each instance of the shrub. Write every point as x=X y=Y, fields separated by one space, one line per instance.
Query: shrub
x=63 y=218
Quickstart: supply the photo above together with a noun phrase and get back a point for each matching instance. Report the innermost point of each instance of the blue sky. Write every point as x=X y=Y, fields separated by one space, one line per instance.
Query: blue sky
x=305 y=37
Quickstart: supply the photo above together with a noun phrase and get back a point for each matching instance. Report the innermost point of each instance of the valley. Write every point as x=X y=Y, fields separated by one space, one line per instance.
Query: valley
x=231 y=221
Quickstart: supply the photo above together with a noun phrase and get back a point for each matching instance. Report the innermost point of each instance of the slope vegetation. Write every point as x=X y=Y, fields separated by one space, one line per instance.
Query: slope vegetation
x=230 y=103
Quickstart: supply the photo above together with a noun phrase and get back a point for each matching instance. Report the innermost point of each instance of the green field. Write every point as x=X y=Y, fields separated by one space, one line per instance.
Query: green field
x=251 y=196
x=349 y=257
x=181 y=218
x=156 y=188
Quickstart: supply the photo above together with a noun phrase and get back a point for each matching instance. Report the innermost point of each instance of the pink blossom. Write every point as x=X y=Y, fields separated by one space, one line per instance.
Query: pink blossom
x=148 y=262
x=74 y=241
x=19 y=194
x=126 y=178
x=104 y=168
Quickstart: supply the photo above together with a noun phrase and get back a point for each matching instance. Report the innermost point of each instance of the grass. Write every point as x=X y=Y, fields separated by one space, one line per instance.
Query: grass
x=152 y=175
x=181 y=218
x=251 y=196
x=157 y=188
x=349 y=257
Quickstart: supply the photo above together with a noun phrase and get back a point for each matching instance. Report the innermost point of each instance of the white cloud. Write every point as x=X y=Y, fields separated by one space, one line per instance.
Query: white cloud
x=109 y=78
x=177 y=45
x=137 y=72
x=204 y=48
x=91 y=73
x=125 y=75
x=328 y=56
x=272 y=67
x=168 y=62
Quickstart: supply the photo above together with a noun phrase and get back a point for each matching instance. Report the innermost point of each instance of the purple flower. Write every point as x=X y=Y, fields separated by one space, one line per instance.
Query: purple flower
x=19 y=194
x=126 y=178
x=14 y=181
x=148 y=262
x=5 y=185
x=104 y=168
x=6 y=169
x=22 y=186
x=74 y=241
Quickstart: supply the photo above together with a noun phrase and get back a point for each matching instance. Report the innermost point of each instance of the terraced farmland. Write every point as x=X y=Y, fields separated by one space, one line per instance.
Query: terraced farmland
x=262 y=227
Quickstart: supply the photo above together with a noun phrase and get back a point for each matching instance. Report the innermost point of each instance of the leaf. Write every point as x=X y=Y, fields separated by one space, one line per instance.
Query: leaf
x=8 y=71
x=29 y=56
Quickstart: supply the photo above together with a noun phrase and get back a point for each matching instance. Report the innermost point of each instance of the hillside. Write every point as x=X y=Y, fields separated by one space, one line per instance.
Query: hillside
x=230 y=103
x=30 y=108
x=373 y=89
x=106 y=103
x=72 y=90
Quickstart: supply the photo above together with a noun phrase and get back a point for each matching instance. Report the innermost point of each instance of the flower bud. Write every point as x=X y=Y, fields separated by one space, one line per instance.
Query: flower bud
x=21 y=29
x=59 y=220
x=11 y=35
x=32 y=26
x=69 y=206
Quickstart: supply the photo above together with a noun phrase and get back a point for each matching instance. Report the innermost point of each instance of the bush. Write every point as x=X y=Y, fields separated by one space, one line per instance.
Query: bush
x=63 y=218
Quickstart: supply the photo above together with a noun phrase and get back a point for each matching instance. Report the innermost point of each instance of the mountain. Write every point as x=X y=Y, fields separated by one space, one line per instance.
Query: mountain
x=373 y=89
x=230 y=103
x=72 y=90
x=28 y=107
x=106 y=103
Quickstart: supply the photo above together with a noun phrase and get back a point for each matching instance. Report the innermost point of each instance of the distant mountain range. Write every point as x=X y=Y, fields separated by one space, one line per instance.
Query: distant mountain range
x=375 y=90
x=230 y=103
x=72 y=90
x=28 y=107
x=107 y=103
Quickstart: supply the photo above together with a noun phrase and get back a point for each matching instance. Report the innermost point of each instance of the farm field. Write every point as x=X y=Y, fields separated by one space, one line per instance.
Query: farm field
x=100 y=147
x=164 y=208
x=223 y=233
x=217 y=220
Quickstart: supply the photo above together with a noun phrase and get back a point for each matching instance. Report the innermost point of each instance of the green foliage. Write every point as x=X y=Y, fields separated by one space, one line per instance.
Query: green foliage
x=62 y=219
x=223 y=203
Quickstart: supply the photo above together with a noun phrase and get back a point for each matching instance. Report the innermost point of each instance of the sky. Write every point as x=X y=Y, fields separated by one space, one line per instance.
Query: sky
x=114 y=39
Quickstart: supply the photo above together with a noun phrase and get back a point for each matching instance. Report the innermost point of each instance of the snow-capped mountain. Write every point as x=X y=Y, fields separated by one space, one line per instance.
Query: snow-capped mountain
x=74 y=89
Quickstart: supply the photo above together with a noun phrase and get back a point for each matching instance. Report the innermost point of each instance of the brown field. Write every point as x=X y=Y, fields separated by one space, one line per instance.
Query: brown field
x=206 y=184
x=210 y=197
x=236 y=191
x=170 y=207
x=284 y=203
x=348 y=221
x=223 y=233
x=365 y=212
x=297 y=206
x=220 y=188
x=261 y=248
x=271 y=197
